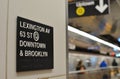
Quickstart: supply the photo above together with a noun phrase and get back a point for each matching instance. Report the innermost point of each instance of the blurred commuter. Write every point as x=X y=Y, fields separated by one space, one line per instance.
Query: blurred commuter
x=114 y=63
x=80 y=66
x=103 y=64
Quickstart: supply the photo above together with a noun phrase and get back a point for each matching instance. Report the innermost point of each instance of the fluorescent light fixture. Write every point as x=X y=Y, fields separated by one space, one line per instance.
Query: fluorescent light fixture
x=72 y=29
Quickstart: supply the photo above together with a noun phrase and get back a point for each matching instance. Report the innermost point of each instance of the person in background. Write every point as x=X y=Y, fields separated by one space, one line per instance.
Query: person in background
x=103 y=64
x=114 y=63
x=80 y=66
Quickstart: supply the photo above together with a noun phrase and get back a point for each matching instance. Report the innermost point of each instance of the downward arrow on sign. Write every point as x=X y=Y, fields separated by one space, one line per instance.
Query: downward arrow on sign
x=101 y=7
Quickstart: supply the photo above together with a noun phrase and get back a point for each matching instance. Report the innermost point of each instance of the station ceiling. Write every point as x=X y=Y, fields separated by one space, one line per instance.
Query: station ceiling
x=106 y=27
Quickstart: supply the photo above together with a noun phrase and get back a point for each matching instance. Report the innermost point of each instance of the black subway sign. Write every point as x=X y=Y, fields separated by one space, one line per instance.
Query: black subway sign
x=88 y=8
x=34 y=45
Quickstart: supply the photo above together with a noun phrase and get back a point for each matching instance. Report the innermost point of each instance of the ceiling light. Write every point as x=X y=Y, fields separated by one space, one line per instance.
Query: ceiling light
x=72 y=29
